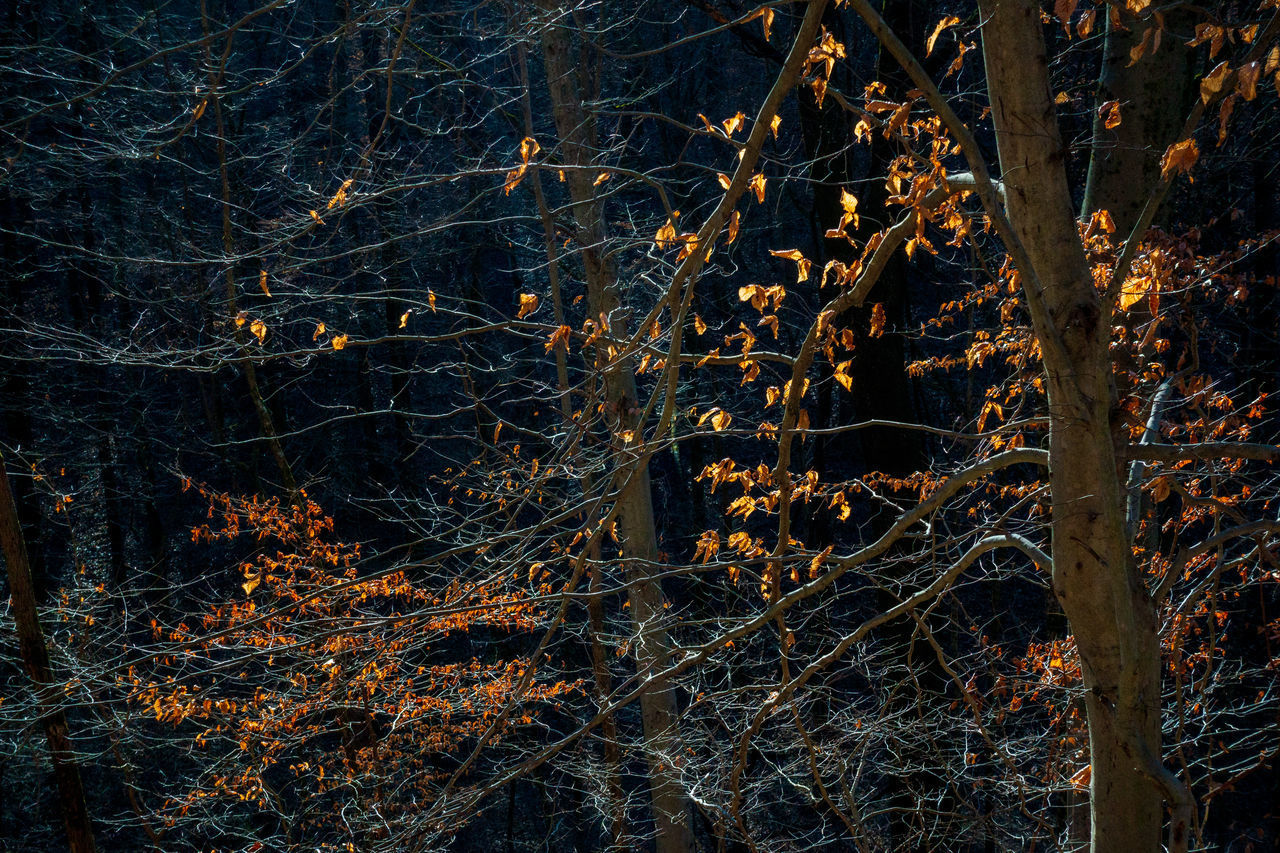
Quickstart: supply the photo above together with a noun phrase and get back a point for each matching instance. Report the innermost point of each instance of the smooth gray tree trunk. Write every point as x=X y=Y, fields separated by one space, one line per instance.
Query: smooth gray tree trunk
x=1094 y=573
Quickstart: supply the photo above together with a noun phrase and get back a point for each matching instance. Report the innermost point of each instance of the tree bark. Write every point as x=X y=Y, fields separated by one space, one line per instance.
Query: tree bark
x=265 y=421
x=637 y=532
x=617 y=817
x=1094 y=574
x=1152 y=98
x=35 y=658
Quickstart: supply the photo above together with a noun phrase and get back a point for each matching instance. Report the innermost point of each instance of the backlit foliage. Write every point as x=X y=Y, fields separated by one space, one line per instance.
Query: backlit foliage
x=318 y=682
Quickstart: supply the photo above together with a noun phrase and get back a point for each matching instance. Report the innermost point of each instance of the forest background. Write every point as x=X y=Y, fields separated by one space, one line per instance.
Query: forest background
x=698 y=425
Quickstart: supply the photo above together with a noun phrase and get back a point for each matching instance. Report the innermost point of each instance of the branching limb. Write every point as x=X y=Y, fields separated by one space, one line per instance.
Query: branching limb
x=935 y=589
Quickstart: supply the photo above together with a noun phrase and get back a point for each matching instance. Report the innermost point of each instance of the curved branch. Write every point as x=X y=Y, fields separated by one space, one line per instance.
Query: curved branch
x=1208 y=451
x=984 y=185
x=932 y=591
x=691 y=657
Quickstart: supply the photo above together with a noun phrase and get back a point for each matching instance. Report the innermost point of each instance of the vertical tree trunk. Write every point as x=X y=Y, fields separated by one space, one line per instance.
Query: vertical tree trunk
x=376 y=104
x=16 y=379
x=595 y=604
x=1094 y=574
x=577 y=137
x=265 y=421
x=1152 y=97
x=35 y=658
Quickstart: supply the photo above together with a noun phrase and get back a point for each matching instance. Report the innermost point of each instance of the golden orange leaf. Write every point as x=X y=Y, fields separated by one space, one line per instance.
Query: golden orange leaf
x=513 y=179
x=945 y=23
x=803 y=264
x=560 y=337
x=878 y=320
x=1213 y=82
x=755 y=294
x=1133 y=290
x=1161 y=490
x=1247 y=80
x=528 y=304
x=720 y=419
x=1085 y=25
x=666 y=236
x=1180 y=157
x=1064 y=9
x=529 y=147
x=340 y=197
x=842 y=375
x=1110 y=114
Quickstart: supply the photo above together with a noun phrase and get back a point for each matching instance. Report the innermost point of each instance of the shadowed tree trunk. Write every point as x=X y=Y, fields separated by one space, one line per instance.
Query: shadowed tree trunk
x=35 y=659
x=266 y=422
x=1152 y=97
x=578 y=147
x=595 y=604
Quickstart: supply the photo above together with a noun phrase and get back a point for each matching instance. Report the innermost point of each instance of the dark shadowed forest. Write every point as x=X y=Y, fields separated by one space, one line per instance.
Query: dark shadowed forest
x=616 y=425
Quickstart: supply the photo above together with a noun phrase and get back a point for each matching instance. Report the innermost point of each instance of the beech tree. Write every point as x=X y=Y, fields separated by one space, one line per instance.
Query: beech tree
x=821 y=425
x=35 y=659
x=1075 y=293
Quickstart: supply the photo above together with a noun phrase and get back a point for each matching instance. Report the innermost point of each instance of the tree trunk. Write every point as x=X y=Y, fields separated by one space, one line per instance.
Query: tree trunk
x=617 y=808
x=637 y=532
x=1094 y=574
x=35 y=658
x=265 y=421
x=1152 y=97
